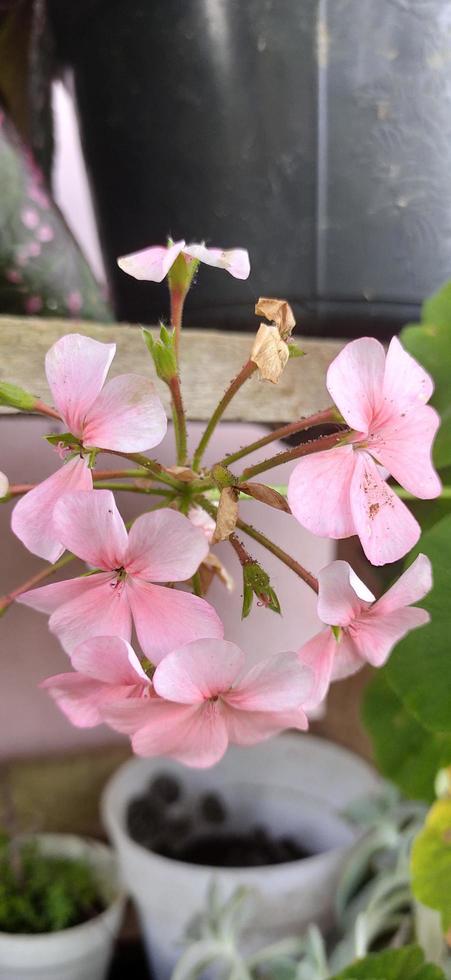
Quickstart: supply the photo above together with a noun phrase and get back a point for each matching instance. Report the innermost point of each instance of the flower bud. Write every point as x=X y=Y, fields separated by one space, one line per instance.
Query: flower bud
x=181 y=274
x=256 y=582
x=4 y=485
x=163 y=353
x=16 y=397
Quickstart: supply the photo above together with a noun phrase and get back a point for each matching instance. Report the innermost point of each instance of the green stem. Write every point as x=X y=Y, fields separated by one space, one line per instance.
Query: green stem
x=286 y=559
x=405 y=495
x=131 y=488
x=315 y=446
x=246 y=371
x=46 y=572
x=179 y=420
x=157 y=471
x=320 y=418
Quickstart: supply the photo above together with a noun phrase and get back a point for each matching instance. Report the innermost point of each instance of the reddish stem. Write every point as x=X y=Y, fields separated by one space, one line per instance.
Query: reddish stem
x=314 y=446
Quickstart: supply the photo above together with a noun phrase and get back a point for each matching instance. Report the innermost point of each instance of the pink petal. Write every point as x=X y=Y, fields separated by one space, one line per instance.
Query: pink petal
x=375 y=635
x=404 y=446
x=48 y=598
x=354 y=381
x=386 y=528
x=411 y=586
x=251 y=727
x=151 y=264
x=319 y=654
x=90 y=525
x=348 y=658
x=128 y=416
x=165 y=547
x=32 y=518
x=79 y=697
x=338 y=603
x=406 y=384
x=108 y=659
x=76 y=368
x=198 y=671
x=102 y=609
x=234 y=260
x=319 y=492
x=128 y=715
x=277 y=684
x=166 y=619
x=200 y=519
x=196 y=736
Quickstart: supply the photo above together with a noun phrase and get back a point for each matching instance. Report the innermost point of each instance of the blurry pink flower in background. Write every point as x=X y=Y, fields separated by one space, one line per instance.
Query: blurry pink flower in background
x=342 y=491
x=154 y=263
x=359 y=629
x=209 y=695
x=33 y=304
x=161 y=547
x=125 y=414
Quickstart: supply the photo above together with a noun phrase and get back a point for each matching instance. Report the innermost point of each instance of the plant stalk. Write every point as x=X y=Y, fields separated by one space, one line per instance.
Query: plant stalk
x=246 y=371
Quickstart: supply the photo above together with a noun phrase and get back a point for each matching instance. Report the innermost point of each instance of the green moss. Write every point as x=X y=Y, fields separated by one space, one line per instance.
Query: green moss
x=40 y=893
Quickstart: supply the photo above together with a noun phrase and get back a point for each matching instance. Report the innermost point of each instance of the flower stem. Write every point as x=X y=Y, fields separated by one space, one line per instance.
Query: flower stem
x=7 y=600
x=179 y=420
x=178 y=297
x=132 y=488
x=246 y=371
x=44 y=409
x=286 y=559
x=320 y=418
x=156 y=470
x=314 y=446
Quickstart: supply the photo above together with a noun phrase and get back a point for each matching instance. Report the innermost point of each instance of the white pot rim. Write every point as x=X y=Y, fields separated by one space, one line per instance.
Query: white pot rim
x=69 y=843
x=114 y=815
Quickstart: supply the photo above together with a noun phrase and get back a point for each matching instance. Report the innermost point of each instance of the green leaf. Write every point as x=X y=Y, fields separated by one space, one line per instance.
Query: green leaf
x=393 y=964
x=430 y=343
x=405 y=751
x=431 y=861
x=419 y=668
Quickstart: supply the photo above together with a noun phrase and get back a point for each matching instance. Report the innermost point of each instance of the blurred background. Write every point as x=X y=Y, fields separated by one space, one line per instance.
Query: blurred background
x=317 y=134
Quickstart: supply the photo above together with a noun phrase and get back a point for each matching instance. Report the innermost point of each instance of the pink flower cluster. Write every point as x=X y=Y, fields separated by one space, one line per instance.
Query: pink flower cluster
x=190 y=692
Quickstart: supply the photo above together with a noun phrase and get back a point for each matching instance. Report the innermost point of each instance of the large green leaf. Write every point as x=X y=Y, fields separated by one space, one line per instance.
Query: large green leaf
x=405 y=751
x=393 y=964
x=430 y=343
x=431 y=861
x=419 y=669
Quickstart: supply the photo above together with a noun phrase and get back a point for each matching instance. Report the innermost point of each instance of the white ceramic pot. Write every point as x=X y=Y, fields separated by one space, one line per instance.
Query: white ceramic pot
x=293 y=785
x=82 y=952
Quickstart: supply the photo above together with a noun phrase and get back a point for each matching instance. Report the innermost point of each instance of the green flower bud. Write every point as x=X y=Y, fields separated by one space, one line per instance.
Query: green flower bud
x=16 y=397
x=162 y=352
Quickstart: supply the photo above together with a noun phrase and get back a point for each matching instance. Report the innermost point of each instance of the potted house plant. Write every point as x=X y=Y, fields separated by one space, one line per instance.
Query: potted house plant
x=183 y=690
x=60 y=907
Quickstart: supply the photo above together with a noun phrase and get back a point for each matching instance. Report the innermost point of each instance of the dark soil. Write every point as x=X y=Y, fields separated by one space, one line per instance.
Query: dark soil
x=196 y=830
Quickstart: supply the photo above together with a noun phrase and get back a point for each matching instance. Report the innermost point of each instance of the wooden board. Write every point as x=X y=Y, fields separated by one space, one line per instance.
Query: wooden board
x=209 y=360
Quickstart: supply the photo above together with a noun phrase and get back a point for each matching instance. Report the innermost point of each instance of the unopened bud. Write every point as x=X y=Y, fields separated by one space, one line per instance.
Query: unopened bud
x=4 y=485
x=162 y=352
x=16 y=397
x=181 y=273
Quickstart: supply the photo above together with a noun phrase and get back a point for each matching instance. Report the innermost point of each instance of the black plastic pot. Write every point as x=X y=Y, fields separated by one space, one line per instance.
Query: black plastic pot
x=317 y=134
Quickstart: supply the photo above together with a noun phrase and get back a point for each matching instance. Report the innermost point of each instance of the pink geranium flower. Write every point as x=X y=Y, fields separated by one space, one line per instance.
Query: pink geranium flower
x=359 y=629
x=106 y=670
x=210 y=694
x=154 y=263
x=161 y=547
x=343 y=491
x=125 y=415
